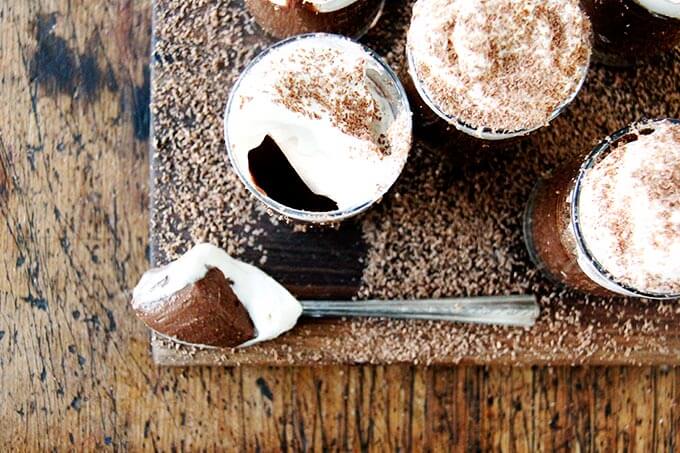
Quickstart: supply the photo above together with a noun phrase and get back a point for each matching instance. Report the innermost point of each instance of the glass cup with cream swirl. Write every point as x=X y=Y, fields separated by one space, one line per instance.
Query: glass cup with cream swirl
x=285 y=18
x=318 y=128
x=611 y=223
x=495 y=70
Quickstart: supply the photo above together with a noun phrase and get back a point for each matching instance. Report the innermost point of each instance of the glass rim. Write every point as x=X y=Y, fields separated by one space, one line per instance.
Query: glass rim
x=591 y=159
x=316 y=217
x=485 y=133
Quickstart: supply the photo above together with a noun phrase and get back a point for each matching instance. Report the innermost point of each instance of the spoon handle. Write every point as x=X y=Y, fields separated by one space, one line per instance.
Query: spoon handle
x=519 y=310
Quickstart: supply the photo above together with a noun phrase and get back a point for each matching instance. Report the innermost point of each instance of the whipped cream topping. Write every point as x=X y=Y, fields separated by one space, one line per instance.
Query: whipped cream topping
x=629 y=211
x=332 y=110
x=322 y=6
x=668 y=8
x=504 y=65
x=272 y=309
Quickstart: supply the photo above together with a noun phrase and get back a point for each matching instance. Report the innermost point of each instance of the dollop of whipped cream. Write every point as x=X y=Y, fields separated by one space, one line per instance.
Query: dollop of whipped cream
x=668 y=8
x=272 y=309
x=629 y=210
x=504 y=65
x=330 y=107
x=322 y=6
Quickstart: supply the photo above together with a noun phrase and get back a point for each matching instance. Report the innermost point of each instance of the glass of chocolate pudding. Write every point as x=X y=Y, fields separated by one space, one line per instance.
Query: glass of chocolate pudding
x=318 y=128
x=611 y=223
x=496 y=69
x=626 y=31
x=285 y=18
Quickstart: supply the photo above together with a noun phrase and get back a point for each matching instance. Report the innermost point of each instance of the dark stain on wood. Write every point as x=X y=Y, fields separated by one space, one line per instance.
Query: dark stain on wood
x=53 y=64
x=2 y=334
x=5 y=181
x=264 y=389
x=57 y=68
x=36 y=302
x=141 y=114
x=93 y=321
x=91 y=76
x=77 y=402
x=554 y=422
x=112 y=321
x=31 y=151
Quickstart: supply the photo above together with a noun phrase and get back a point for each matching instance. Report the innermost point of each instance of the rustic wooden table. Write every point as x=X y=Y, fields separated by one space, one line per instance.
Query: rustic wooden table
x=75 y=365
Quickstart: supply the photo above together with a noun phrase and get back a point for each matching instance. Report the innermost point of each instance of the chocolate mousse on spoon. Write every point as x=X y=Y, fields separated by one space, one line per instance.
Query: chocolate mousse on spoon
x=207 y=298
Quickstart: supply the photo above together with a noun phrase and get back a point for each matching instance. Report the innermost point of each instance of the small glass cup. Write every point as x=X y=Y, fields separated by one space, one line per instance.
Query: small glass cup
x=444 y=122
x=286 y=18
x=625 y=31
x=390 y=85
x=552 y=229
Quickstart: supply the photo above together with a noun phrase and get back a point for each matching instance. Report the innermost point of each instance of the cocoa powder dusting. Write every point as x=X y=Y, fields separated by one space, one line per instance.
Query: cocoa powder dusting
x=341 y=92
x=507 y=78
x=638 y=215
x=451 y=226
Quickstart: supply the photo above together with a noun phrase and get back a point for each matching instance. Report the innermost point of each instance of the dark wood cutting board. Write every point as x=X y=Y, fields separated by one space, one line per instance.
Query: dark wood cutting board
x=450 y=227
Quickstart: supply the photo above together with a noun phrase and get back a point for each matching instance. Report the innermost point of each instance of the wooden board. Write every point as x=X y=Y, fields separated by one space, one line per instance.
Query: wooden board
x=200 y=49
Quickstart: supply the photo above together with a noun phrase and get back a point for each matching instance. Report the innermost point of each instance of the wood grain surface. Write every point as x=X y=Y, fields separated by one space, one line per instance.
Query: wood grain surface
x=75 y=366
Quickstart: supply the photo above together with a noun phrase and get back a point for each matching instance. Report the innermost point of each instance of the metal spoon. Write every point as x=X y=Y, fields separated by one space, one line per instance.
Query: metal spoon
x=519 y=310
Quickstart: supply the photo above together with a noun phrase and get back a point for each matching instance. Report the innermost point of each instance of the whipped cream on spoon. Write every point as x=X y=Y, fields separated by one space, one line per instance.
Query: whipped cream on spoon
x=189 y=302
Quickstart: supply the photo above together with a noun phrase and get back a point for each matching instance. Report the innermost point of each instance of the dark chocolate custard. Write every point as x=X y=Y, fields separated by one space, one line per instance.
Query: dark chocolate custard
x=277 y=178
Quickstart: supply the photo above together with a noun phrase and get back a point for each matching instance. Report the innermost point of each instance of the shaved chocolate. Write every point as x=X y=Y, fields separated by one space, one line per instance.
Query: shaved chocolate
x=206 y=312
x=500 y=67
